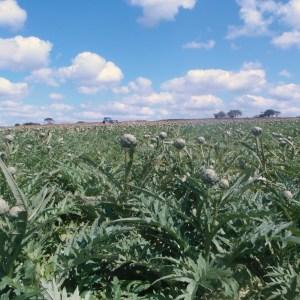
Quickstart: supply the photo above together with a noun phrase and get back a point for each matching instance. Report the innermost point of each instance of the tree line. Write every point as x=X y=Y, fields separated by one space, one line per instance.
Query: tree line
x=235 y=113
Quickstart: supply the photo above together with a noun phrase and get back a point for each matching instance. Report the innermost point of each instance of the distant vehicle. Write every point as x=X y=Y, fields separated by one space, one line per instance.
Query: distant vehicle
x=109 y=120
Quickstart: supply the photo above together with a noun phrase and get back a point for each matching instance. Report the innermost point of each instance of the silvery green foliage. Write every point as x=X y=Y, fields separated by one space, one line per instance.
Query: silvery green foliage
x=52 y=291
x=151 y=226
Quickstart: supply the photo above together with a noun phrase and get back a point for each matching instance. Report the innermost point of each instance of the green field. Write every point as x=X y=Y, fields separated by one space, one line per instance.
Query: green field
x=87 y=214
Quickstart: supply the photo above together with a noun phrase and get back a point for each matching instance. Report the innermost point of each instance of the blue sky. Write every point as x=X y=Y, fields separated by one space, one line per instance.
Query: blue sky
x=147 y=59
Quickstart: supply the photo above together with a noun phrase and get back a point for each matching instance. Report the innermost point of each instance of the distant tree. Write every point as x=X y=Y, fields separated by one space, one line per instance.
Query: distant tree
x=17 y=124
x=277 y=113
x=220 y=115
x=261 y=115
x=49 y=121
x=271 y=113
x=234 y=113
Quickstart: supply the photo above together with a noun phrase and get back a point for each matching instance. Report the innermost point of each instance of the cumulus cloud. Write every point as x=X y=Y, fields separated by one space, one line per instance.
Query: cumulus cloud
x=12 y=15
x=123 y=108
x=151 y=98
x=287 y=92
x=251 y=103
x=140 y=85
x=91 y=72
x=46 y=76
x=155 y=11
x=24 y=53
x=198 y=93
x=287 y=40
x=16 y=110
x=200 y=45
x=10 y=91
x=255 y=15
x=205 y=102
x=56 y=96
x=258 y=16
x=256 y=101
x=19 y=111
x=61 y=107
x=90 y=115
x=285 y=73
x=13 y=107
x=290 y=13
x=212 y=80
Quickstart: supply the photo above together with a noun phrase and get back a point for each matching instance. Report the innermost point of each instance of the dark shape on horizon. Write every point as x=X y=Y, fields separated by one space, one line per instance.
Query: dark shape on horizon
x=234 y=113
x=109 y=120
x=49 y=121
x=30 y=124
x=269 y=113
x=220 y=115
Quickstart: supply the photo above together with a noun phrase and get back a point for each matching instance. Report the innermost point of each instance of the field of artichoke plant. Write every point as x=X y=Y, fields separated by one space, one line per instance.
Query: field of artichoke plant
x=162 y=211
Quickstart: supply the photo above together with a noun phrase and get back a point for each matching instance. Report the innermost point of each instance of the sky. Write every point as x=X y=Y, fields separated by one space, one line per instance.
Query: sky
x=147 y=59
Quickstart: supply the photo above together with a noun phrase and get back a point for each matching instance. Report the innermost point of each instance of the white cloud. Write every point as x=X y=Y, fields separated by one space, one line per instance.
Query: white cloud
x=24 y=53
x=91 y=72
x=12 y=91
x=152 y=98
x=287 y=92
x=215 y=80
x=118 y=110
x=205 y=102
x=90 y=115
x=290 y=13
x=20 y=112
x=198 y=93
x=88 y=90
x=285 y=73
x=140 y=85
x=56 y=96
x=45 y=76
x=200 y=45
x=256 y=18
x=155 y=11
x=61 y=107
x=255 y=101
x=126 y=108
x=12 y=15
x=251 y=104
x=287 y=40
x=16 y=110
